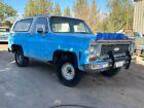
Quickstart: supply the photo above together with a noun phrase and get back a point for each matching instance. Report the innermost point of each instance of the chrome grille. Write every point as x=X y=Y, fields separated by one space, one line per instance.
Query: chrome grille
x=115 y=48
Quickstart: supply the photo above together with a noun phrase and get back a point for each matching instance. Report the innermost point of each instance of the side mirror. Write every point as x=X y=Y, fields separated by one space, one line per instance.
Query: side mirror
x=41 y=29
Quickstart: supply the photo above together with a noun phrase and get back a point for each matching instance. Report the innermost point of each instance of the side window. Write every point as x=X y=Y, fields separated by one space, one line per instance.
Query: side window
x=23 y=25
x=79 y=27
x=41 y=21
x=61 y=27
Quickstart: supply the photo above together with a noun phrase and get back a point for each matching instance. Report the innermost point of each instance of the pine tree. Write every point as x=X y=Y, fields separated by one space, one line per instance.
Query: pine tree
x=94 y=16
x=88 y=12
x=67 y=11
x=44 y=6
x=35 y=7
x=121 y=15
x=30 y=8
x=57 y=10
x=6 y=11
x=81 y=9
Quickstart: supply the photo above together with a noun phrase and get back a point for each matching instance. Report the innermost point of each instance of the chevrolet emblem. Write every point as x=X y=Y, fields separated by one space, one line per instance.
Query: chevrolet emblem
x=116 y=49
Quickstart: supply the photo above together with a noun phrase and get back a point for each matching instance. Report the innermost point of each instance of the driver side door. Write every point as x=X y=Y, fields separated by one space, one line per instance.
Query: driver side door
x=37 y=40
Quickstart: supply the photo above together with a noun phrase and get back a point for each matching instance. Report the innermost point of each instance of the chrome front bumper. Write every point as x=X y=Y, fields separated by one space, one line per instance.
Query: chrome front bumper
x=110 y=63
x=102 y=66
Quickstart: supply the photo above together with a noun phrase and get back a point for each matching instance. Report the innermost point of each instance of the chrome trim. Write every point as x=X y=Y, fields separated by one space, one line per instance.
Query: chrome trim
x=101 y=44
x=114 y=41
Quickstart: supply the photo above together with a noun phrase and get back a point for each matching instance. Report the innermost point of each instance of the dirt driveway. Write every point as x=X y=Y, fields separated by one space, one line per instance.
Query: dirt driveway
x=37 y=86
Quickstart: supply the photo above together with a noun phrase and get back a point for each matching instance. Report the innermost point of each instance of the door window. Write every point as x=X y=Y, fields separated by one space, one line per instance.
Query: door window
x=41 y=21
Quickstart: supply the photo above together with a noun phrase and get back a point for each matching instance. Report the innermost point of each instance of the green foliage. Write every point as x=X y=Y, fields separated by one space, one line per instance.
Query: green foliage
x=93 y=16
x=120 y=16
x=36 y=7
x=81 y=9
x=30 y=8
x=57 y=10
x=67 y=11
x=7 y=24
x=87 y=12
x=6 y=11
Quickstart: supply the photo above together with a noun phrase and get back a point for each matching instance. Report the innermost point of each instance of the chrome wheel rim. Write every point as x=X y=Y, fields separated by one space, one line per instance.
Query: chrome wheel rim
x=68 y=71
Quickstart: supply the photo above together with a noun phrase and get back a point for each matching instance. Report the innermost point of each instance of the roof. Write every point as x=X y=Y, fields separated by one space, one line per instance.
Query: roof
x=47 y=15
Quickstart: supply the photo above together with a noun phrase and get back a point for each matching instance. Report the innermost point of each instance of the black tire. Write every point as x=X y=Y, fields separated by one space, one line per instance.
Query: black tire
x=72 y=82
x=21 y=61
x=110 y=73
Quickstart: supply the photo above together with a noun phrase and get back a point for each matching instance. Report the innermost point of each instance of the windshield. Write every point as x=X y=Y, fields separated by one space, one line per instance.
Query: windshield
x=68 y=25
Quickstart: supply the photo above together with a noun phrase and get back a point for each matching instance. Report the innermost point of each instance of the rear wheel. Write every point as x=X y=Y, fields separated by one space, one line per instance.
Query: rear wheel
x=110 y=73
x=68 y=74
x=21 y=61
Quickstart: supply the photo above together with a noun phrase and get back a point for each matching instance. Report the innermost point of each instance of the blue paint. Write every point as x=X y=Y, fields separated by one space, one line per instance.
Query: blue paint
x=42 y=46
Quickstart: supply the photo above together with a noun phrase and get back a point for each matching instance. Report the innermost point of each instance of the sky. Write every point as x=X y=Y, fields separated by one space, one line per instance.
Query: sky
x=20 y=4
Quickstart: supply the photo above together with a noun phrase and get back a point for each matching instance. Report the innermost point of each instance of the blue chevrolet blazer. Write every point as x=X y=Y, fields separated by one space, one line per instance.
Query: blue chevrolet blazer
x=70 y=45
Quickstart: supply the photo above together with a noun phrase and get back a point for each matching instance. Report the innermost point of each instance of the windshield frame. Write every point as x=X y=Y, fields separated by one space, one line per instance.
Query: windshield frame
x=69 y=18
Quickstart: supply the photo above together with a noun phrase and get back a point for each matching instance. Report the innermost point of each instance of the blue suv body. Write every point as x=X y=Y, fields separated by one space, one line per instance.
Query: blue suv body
x=70 y=45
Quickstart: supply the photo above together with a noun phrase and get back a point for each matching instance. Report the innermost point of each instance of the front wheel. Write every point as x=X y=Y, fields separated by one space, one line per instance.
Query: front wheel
x=110 y=73
x=21 y=61
x=68 y=75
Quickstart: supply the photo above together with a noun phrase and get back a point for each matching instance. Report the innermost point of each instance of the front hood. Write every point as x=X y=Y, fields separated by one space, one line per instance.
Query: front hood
x=85 y=39
x=111 y=36
x=82 y=41
x=73 y=40
x=98 y=36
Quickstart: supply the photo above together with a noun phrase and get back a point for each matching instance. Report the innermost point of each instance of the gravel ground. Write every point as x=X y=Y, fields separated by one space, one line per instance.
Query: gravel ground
x=37 y=86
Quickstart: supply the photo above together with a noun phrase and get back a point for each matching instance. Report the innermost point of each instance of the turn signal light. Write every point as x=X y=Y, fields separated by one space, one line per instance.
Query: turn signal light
x=92 y=58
